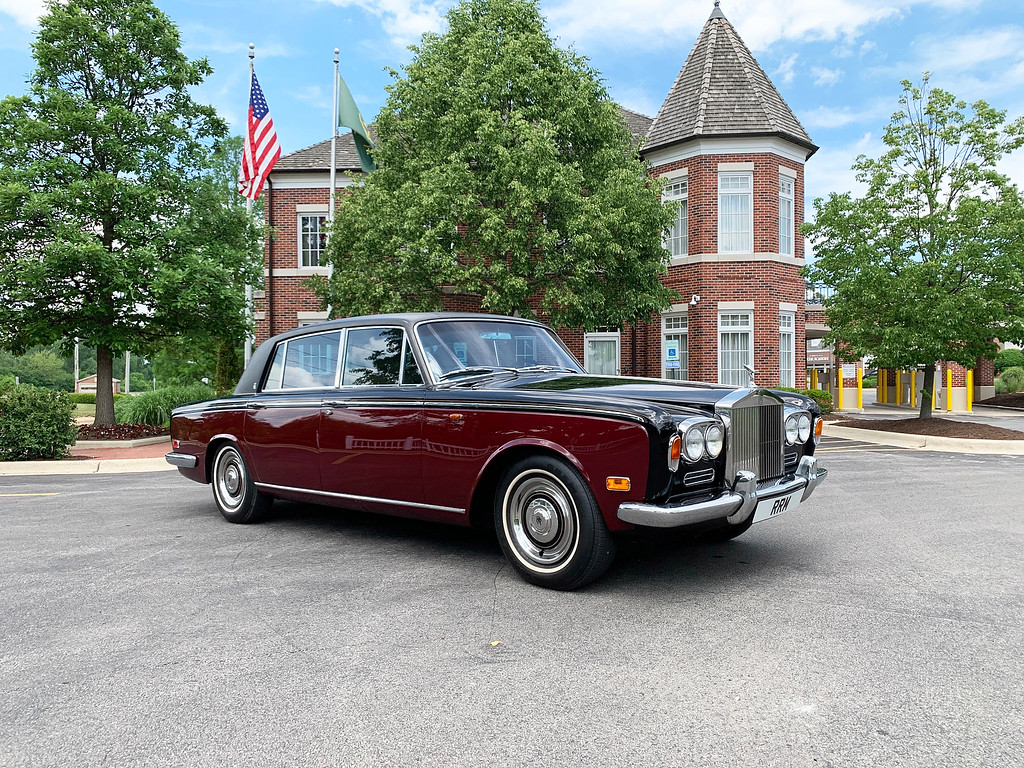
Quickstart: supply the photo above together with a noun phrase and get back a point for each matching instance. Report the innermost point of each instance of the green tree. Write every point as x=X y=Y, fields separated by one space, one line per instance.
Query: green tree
x=112 y=229
x=504 y=172
x=929 y=264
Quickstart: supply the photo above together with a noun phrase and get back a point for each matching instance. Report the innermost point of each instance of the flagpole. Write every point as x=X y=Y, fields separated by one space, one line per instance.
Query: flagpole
x=334 y=138
x=247 y=355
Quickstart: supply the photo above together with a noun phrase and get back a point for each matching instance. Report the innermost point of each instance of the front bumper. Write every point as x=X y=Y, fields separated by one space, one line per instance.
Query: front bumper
x=734 y=505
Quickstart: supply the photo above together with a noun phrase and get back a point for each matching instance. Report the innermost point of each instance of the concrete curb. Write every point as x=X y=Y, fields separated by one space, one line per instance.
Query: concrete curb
x=927 y=442
x=92 y=445
x=83 y=467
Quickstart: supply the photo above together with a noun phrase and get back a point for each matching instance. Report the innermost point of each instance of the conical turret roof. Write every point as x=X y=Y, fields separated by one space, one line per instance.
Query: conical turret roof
x=722 y=91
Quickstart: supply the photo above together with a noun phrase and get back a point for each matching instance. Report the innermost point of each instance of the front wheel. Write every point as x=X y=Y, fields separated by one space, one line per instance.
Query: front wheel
x=549 y=525
x=234 y=490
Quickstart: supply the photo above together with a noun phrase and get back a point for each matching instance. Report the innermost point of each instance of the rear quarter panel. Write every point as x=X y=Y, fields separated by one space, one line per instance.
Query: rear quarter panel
x=197 y=429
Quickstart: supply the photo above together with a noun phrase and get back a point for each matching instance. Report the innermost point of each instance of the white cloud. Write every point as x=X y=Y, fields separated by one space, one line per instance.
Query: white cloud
x=826 y=77
x=25 y=12
x=830 y=169
x=759 y=22
x=202 y=40
x=786 y=70
x=404 y=21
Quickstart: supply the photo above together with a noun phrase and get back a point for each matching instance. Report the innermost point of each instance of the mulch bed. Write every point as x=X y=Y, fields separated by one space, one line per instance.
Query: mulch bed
x=1008 y=400
x=121 y=432
x=936 y=427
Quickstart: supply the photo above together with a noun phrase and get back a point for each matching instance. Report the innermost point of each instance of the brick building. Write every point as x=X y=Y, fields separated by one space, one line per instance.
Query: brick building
x=731 y=154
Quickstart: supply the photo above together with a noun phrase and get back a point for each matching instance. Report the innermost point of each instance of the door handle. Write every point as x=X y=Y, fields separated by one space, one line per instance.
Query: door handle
x=255 y=405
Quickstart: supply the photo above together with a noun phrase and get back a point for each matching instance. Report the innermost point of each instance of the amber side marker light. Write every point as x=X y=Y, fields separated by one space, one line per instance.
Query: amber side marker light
x=817 y=430
x=617 y=483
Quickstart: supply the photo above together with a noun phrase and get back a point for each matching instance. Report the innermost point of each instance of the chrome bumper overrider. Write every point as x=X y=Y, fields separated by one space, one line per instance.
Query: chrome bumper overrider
x=735 y=505
x=186 y=460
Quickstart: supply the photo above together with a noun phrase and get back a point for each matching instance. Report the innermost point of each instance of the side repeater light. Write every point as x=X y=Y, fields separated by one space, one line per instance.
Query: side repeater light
x=617 y=483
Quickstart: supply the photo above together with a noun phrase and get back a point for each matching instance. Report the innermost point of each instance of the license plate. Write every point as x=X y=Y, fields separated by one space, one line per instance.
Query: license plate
x=776 y=506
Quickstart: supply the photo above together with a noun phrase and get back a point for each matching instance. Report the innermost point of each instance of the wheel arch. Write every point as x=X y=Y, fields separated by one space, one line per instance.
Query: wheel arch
x=481 y=507
x=214 y=446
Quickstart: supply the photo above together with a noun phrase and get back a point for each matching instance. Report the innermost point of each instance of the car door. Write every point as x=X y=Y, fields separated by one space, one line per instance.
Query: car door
x=371 y=426
x=282 y=419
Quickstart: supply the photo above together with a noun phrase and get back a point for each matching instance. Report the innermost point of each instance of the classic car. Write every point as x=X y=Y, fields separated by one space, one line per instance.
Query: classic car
x=484 y=420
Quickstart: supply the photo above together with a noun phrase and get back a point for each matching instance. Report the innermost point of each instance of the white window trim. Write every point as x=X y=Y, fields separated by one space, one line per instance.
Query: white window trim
x=750 y=212
x=676 y=312
x=749 y=329
x=677 y=199
x=302 y=211
x=603 y=336
x=791 y=233
x=791 y=332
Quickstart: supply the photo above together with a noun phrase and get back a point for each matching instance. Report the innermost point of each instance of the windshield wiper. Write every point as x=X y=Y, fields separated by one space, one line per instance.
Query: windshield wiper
x=474 y=370
x=560 y=368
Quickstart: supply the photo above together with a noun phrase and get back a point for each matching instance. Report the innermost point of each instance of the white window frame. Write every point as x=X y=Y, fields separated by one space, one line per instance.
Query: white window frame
x=670 y=326
x=735 y=190
x=676 y=239
x=301 y=250
x=787 y=356
x=615 y=336
x=787 y=215
x=735 y=322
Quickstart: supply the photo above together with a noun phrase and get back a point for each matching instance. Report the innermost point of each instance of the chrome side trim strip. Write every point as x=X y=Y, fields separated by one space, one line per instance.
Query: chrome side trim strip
x=353 y=497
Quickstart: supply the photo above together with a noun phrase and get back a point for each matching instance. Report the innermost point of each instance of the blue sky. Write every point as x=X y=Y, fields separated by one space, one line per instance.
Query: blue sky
x=838 y=63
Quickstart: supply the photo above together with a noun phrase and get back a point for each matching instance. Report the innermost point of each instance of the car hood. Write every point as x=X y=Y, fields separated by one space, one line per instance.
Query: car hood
x=673 y=396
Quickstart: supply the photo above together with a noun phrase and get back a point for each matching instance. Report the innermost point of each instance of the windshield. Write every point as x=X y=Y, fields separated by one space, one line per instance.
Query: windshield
x=465 y=347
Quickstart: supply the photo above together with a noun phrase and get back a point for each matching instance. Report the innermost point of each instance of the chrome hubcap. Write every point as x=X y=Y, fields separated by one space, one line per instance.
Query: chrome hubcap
x=230 y=480
x=540 y=520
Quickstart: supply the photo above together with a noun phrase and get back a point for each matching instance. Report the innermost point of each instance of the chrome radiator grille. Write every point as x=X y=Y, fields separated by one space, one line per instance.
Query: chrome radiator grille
x=756 y=434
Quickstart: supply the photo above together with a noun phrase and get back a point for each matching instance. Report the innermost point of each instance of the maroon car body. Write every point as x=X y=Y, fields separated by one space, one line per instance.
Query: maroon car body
x=486 y=420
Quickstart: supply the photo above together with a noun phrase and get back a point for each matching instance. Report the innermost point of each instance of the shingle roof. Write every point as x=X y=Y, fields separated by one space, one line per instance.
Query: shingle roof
x=722 y=91
x=318 y=157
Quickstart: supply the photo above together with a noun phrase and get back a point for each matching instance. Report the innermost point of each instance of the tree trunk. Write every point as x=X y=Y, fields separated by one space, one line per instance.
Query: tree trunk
x=926 y=391
x=104 y=387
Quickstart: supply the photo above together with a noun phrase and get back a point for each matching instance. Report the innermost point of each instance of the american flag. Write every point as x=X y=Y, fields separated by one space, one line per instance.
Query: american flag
x=261 y=149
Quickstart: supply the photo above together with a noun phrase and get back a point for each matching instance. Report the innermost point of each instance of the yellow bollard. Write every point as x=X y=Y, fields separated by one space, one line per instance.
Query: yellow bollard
x=860 y=388
x=899 y=386
x=949 y=389
x=814 y=378
x=913 y=388
x=883 y=380
x=970 y=389
x=839 y=388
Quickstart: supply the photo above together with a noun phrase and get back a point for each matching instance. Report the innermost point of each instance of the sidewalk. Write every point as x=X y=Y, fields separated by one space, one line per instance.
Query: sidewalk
x=90 y=458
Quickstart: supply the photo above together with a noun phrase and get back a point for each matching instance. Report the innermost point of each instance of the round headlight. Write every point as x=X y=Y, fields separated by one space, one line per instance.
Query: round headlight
x=792 y=430
x=714 y=438
x=693 y=444
x=803 y=425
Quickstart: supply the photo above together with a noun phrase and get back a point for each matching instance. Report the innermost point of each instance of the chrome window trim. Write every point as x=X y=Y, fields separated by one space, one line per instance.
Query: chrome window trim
x=372 y=499
x=406 y=339
x=429 y=377
x=270 y=362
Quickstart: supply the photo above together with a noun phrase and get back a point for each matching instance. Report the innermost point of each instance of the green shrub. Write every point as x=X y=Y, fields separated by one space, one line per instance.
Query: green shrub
x=83 y=398
x=1000 y=386
x=35 y=424
x=869 y=382
x=820 y=396
x=1013 y=379
x=1009 y=358
x=155 y=407
x=7 y=381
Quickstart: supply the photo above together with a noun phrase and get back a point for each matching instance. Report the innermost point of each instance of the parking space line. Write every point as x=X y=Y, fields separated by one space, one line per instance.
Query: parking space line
x=9 y=495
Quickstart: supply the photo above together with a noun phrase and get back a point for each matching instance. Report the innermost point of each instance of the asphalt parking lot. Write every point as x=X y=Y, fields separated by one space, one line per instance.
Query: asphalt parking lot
x=879 y=624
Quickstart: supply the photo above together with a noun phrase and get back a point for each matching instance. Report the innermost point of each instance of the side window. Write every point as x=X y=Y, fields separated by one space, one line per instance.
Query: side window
x=307 y=362
x=276 y=368
x=410 y=371
x=373 y=356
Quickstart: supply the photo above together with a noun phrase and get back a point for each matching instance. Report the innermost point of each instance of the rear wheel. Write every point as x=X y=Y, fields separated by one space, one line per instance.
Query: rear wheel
x=549 y=525
x=234 y=490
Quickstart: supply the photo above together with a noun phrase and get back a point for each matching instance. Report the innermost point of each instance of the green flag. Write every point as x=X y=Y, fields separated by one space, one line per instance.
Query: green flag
x=349 y=117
